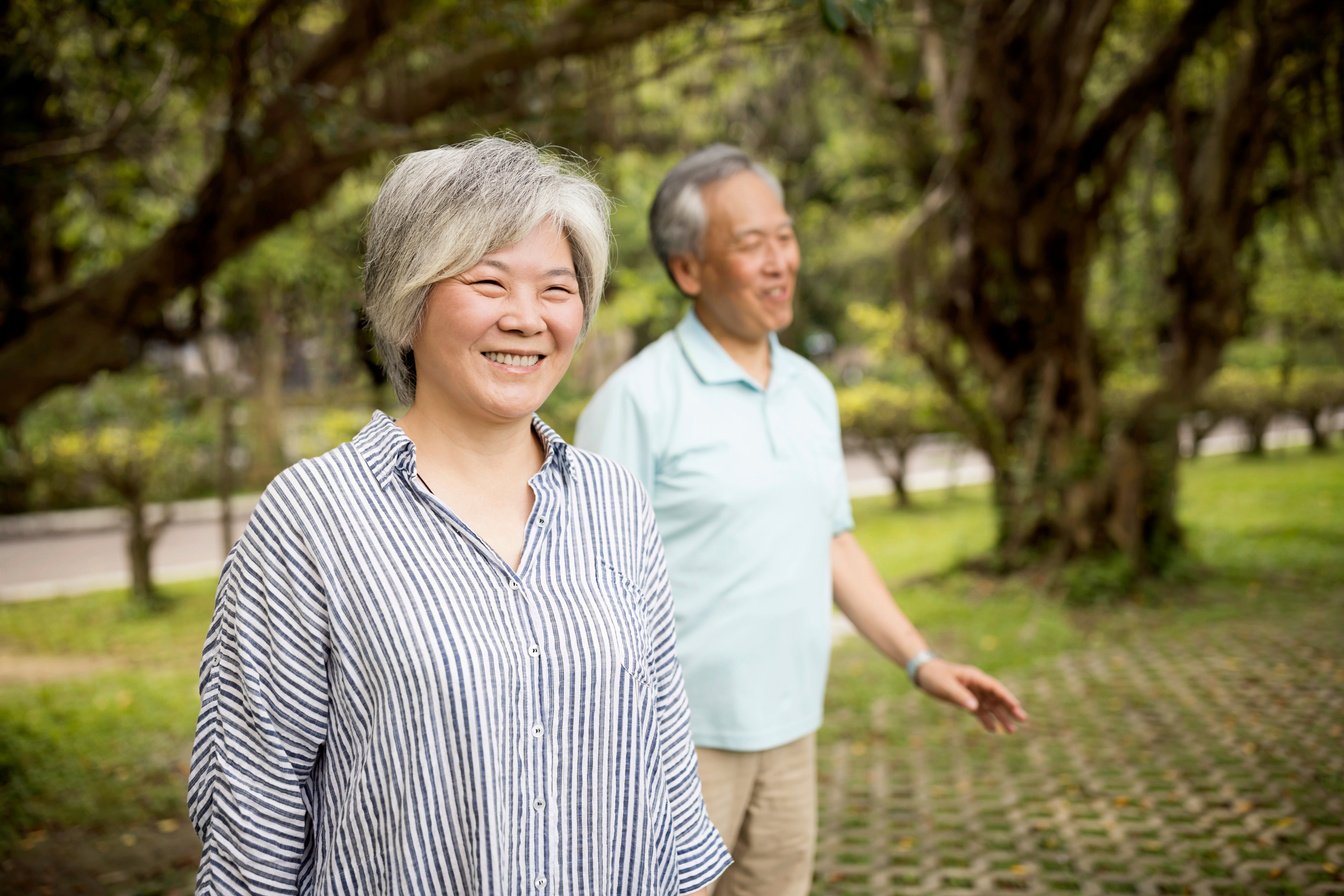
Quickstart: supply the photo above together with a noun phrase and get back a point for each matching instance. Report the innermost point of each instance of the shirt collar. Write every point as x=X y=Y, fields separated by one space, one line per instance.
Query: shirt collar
x=390 y=454
x=715 y=366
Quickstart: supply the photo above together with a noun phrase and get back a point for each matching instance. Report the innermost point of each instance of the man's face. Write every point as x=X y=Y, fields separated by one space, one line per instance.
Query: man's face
x=744 y=279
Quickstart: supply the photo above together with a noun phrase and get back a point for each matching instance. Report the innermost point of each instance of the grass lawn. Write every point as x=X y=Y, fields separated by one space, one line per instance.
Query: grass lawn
x=97 y=702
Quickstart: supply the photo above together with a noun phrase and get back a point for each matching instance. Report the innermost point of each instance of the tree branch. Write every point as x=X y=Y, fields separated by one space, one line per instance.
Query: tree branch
x=257 y=185
x=97 y=141
x=583 y=28
x=1151 y=85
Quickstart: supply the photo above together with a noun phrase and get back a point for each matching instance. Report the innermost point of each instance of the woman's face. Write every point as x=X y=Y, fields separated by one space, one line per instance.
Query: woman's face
x=497 y=338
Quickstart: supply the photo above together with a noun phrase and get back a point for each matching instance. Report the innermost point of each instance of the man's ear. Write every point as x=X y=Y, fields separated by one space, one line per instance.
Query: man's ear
x=685 y=270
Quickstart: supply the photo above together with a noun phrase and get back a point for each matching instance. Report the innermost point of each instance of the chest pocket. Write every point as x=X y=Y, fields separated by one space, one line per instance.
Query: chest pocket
x=620 y=609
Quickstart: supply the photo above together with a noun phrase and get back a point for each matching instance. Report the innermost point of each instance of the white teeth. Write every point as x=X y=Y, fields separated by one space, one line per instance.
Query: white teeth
x=513 y=360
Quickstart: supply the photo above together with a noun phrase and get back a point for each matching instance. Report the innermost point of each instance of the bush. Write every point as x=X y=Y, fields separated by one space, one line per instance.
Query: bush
x=1310 y=395
x=1253 y=396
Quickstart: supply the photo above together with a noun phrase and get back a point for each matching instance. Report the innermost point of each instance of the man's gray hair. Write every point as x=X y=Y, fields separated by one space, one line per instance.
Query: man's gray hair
x=677 y=216
x=441 y=211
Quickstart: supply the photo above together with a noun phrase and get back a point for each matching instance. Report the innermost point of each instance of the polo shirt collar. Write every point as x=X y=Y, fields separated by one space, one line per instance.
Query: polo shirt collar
x=390 y=454
x=714 y=366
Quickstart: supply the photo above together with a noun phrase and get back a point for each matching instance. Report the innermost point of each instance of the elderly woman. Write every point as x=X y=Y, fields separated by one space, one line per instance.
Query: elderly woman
x=442 y=656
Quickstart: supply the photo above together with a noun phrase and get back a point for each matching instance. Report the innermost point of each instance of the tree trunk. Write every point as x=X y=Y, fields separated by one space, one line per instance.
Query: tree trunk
x=1142 y=477
x=224 y=484
x=1320 y=439
x=219 y=386
x=897 y=477
x=1201 y=424
x=266 y=420
x=1256 y=427
x=140 y=537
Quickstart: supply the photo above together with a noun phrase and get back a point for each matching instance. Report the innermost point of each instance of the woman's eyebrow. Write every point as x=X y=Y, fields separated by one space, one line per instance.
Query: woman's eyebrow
x=502 y=266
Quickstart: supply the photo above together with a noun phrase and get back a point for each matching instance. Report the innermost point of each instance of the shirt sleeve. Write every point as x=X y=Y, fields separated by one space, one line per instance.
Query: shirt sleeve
x=701 y=854
x=263 y=719
x=613 y=425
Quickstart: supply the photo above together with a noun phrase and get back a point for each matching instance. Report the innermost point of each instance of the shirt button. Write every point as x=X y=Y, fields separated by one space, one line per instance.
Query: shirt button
x=537 y=731
x=514 y=586
x=538 y=804
x=541 y=521
x=540 y=883
x=534 y=650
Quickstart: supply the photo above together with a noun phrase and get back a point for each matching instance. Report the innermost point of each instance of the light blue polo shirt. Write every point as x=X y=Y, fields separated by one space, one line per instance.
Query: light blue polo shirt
x=748 y=487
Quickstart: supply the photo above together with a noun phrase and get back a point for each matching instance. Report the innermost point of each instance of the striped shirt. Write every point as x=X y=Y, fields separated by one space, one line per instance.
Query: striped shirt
x=387 y=707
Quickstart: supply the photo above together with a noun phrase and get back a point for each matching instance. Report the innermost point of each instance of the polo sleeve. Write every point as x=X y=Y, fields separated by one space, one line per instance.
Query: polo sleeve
x=263 y=718
x=615 y=426
x=700 y=852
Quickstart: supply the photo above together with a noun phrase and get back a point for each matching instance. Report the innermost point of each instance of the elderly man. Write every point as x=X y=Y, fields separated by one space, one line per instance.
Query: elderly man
x=737 y=441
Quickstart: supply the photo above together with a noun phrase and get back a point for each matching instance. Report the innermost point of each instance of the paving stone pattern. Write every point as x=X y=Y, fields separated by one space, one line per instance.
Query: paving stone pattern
x=1210 y=763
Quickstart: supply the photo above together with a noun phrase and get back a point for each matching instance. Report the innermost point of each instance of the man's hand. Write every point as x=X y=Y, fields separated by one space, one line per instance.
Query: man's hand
x=975 y=691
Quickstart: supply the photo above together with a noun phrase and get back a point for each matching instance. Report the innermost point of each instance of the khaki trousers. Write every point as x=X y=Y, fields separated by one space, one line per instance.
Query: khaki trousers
x=764 y=805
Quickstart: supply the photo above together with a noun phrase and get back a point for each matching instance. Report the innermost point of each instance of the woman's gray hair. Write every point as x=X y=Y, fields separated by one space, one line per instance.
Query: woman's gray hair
x=441 y=211
x=677 y=216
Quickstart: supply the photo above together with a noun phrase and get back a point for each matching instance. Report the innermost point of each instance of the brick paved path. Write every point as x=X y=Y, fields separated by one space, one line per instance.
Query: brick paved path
x=1207 y=763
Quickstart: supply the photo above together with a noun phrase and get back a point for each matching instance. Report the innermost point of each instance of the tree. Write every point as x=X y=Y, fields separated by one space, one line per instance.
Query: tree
x=124 y=438
x=1035 y=113
x=225 y=121
x=887 y=421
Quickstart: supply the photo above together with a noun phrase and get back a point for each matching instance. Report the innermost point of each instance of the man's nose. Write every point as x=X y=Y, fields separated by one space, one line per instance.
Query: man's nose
x=776 y=256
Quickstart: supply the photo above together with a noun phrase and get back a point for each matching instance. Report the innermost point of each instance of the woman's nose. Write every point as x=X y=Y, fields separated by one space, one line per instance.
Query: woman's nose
x=522 y=313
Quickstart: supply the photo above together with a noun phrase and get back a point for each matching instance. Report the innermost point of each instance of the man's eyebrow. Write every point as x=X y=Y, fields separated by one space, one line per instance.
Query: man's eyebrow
x=753 y=231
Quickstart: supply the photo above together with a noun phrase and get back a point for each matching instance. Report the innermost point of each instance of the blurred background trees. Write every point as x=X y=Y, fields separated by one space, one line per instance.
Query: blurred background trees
x=128 y=439
x=1077 y=234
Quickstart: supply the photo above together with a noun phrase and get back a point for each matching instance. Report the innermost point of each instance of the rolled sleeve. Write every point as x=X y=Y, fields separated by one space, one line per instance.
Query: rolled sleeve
x=263 y=719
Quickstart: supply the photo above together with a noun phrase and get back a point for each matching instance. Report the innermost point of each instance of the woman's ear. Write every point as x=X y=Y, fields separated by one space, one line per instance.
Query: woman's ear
x=685 y=270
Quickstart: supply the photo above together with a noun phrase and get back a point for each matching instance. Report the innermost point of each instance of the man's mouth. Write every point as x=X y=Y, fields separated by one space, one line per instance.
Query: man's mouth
x=513 y=360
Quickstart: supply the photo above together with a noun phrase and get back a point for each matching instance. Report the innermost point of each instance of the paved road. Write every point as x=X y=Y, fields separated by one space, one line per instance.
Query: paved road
x=52 y=554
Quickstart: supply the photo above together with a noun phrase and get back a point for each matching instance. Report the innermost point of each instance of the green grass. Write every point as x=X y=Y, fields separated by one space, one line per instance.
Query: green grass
x=96 y=752
x=108 y=623
x=1265 y=538
x=101 y=739
x=101 y=750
